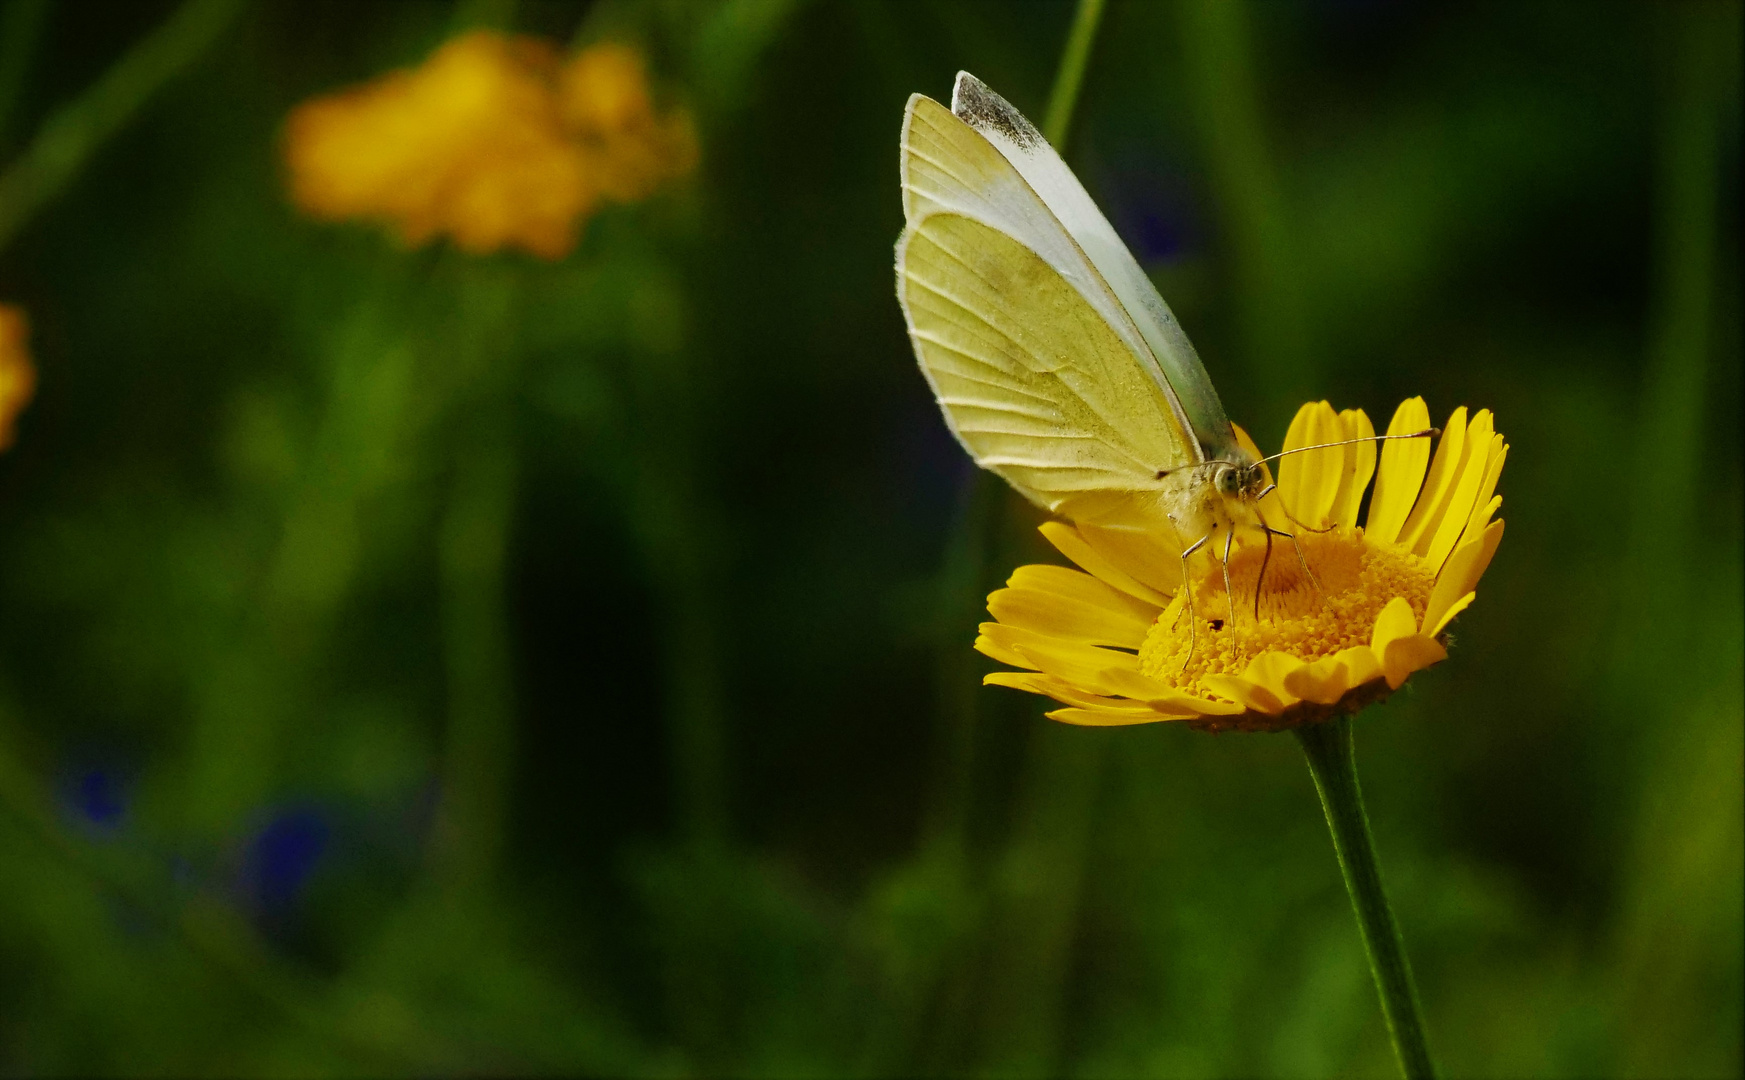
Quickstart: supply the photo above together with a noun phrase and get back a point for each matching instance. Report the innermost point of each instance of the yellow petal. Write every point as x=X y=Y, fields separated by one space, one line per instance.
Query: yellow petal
x=1460 y=575
x=1463 y=496
x=1481 y=519
x=1069 y=604
x=1165 y=698
x=1149 y=555
x=1105 y=717
x=1454 y=609
x=1405 y=655
x=1401 y=474
x=1071 y=584
x=1068 y=542
x=1485 y=504
x=1395 y=621
x=995 y=650
x=1309 y=481
x=1326 y=680
x=1063 y=692
x=1269 y=670
x=1250 y=696
x=1359 y=466
x=1081 y=665
x=1444 y=470
x=1361 y=664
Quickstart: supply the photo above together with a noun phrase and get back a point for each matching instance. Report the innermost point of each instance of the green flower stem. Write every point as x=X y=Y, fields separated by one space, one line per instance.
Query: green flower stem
x=1333 y=764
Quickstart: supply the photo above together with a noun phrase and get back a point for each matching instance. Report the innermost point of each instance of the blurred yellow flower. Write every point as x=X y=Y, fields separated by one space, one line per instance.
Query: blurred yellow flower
x=17 y=372
x=1113 y=643
x=491 y=141
x=631 y=150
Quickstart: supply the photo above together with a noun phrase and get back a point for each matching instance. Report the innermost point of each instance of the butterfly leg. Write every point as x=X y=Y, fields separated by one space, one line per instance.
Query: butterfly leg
x=1188 y=598
x=1260 y=579
x=1298 y=548
x=1230 y=597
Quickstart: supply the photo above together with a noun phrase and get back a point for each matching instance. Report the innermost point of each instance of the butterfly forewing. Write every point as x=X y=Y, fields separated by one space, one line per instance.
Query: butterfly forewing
x=1040 y=372
x=1177 y=365
x=948 y=165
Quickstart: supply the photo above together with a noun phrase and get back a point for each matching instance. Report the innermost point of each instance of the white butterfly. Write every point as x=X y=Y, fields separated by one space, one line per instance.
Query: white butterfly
x=1057 y=364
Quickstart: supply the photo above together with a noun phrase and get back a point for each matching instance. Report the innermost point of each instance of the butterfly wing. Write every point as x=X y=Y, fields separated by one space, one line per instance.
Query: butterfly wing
x=1177 y=365
x=1040 y=373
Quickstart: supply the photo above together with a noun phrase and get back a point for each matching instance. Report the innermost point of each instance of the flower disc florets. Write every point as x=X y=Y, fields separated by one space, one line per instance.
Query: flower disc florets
x=1292 y=640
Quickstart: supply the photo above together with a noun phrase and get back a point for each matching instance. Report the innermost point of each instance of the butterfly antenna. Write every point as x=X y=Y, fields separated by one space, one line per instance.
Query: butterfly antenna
x=1425 y=434
x=1298 y=524
x=1270 y=488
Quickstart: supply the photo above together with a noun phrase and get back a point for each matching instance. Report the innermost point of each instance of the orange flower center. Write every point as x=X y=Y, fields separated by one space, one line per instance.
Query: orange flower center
x=1353 y=580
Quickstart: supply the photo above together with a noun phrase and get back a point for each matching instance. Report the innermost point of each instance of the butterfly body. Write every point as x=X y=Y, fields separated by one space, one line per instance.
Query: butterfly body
x=1217 y=497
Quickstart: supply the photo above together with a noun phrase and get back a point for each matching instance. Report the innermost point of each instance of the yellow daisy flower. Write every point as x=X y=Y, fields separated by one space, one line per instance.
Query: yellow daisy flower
x=1113 y=643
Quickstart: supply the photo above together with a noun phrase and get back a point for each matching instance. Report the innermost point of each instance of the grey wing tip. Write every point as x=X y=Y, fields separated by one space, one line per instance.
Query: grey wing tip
x=966 y=85
x=975 y=104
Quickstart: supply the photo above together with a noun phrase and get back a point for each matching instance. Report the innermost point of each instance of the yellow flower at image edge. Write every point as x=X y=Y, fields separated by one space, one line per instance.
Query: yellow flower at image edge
x=17 y=372
x=1113 y=643
x=492 y=141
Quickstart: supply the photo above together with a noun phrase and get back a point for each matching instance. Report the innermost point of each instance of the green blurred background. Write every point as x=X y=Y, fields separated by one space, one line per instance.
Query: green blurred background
x=421 y=664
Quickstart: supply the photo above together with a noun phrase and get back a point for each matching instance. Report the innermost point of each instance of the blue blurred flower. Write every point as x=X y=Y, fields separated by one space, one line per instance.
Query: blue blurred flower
x=1151 y=204
x=279 y=861
x=96 y=798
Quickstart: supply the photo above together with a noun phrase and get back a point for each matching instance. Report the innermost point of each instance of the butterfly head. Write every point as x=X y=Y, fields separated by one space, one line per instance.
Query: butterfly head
x=1240 y=477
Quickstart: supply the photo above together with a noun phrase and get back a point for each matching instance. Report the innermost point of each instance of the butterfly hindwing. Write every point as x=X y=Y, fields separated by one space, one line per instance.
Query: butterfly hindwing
x=1035 y=383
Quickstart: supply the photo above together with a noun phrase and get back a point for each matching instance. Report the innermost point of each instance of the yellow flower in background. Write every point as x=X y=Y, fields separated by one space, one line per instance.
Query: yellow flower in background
x=1113 y=643
x=492 y=142
x=603 y=98
x=17 y=372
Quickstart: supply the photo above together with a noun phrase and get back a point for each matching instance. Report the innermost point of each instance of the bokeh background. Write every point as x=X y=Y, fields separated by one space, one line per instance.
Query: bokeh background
x=423 y=662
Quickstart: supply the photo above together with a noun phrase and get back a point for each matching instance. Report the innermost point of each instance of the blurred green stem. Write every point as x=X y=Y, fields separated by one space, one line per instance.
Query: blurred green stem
x=1057 y=121
x=1683 y=841
x=473 y=566
x=1217 y=46
x=77 y=129
x=1667 y=490
x=474 y=542
x=1333 y=764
